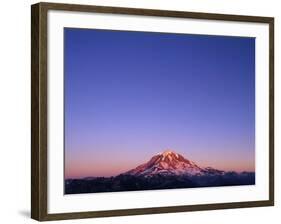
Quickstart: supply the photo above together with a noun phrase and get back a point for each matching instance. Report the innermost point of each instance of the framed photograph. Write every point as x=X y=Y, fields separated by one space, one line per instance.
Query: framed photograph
x=141 y=111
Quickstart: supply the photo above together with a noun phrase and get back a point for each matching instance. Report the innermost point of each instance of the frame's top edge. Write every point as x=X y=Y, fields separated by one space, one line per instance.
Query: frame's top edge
x=153 y=12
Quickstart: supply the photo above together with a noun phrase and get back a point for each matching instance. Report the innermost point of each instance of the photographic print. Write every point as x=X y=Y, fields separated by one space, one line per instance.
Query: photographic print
x=154 y=111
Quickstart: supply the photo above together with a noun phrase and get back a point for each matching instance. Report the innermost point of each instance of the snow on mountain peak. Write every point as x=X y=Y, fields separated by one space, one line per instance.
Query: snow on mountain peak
x=167 y=152
x=168 y=163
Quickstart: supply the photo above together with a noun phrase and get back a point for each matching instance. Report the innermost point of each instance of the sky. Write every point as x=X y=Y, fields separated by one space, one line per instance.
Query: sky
x=130 y=95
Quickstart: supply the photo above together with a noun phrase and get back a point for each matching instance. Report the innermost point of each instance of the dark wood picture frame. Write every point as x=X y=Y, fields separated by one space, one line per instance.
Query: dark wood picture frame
x=39 y=147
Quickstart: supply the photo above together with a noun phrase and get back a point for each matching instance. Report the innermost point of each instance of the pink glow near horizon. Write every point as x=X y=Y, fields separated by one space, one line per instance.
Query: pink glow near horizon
x=86 y=167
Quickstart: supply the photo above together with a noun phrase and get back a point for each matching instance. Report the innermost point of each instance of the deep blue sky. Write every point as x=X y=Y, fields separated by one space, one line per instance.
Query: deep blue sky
x=129 y=95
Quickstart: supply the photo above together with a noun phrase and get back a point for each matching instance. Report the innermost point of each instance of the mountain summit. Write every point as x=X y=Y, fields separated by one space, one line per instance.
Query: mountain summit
x=170 y=163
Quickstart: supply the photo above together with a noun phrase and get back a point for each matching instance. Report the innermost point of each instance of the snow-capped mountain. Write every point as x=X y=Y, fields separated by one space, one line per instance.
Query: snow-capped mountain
x=171 y=163
x=167 y=170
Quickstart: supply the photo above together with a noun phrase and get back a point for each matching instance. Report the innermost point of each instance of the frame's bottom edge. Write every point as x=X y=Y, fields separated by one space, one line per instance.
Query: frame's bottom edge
x=157 y=210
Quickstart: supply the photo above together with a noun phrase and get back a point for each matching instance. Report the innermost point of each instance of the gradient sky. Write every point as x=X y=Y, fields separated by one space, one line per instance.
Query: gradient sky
x=130 y=95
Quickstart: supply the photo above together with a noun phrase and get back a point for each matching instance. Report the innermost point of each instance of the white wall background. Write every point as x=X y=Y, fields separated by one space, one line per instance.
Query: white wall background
x=15 y=111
